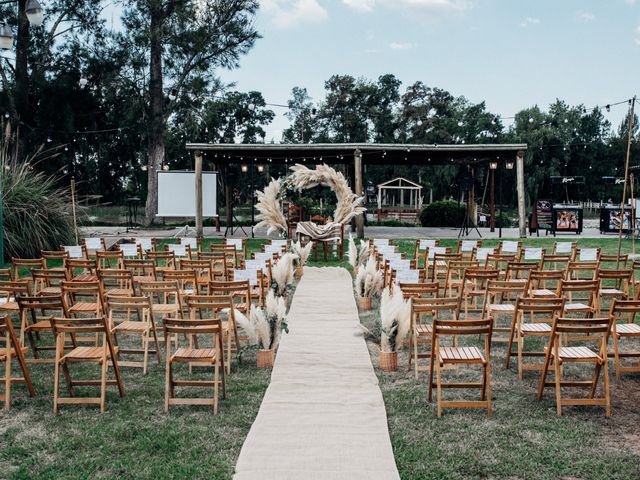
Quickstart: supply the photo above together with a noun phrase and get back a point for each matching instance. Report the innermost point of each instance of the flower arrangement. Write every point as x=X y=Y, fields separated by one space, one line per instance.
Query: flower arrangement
x=357 y=256
x=282 y=275
x=368 y=283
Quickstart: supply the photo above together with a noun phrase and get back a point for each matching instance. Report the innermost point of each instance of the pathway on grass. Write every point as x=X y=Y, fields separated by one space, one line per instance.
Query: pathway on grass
x=322 y=416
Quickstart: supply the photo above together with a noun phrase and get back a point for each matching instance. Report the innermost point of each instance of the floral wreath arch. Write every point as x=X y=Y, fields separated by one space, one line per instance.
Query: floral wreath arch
x=302 y=178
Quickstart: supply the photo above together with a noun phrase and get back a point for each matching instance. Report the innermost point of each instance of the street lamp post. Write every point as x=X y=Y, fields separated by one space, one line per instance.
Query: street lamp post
x=509 y=166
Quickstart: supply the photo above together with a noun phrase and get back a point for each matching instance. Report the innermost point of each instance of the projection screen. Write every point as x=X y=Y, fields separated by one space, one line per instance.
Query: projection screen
x=177 y=194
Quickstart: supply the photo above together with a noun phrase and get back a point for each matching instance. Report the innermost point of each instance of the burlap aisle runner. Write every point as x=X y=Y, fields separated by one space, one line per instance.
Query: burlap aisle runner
x=322 y=416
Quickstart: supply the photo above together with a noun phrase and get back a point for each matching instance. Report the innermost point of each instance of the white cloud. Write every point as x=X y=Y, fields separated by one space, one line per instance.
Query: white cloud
x=290 y=13
x=423 y=6
x=401 y=45
x=529 y=21
x=360 y=5
x=631 y=2
x=585 y=17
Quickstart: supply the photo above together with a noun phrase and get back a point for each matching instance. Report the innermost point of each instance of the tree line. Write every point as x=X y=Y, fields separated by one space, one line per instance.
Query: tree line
x=112 y=106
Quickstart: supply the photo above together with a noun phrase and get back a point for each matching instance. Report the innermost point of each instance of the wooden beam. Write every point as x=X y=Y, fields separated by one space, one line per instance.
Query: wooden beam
x=492 y=199
x=522 y=219
x=198 y=169
x=357 y=164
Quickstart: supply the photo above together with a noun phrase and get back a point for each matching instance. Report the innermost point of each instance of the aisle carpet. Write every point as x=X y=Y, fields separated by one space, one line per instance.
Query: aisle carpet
x=322 y=416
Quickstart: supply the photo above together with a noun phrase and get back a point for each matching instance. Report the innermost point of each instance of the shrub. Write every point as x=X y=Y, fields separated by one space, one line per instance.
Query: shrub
x=444 y=213
x=503 y=220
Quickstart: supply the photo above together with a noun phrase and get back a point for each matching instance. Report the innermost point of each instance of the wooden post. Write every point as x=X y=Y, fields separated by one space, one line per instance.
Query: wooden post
x=357 y=164
x=73 y=208
x=632 y=222
x=492 y=199
x=626 y=176
x=522 y=213
x=198 y=158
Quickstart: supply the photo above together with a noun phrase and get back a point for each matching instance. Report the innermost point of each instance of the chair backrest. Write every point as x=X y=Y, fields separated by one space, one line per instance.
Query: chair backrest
x=500 y=261
x=479 y=326
x=510 y=247
x=582 y=270
x=162 y=259
x=614 y=261
x=588 y=329
x=124 y=306
x=120 y=279
x=467 y=246
x=531 y=254
x=507 y=290
x=22 y=266
x=161 y=292
x=48 y=278
x=141 y=267
x=202 y=268
x=54 y=258
x=146 y=244
x=520 y=270
x=549 y=306
x=130 y=250
x=6 y=274
x=180 y=250
x=545 y=279
x=81 y=266
x=8 y=338
x=13 y=288
x=587 y=255
x=555 y=261
x=482 y=254
x=74 y=251
x=235 y=288
x=82 y=326
x=564 y=248
x=196 y=326
x=109 y=259
x=477 y=278
x=193 y=243
x=440 y=251
x=209 y=306
x=94 y=243
x=40 y=306
x=420 y=289
x=582 y=290
x=624 y=308
x=187 y=280
x=447 y=307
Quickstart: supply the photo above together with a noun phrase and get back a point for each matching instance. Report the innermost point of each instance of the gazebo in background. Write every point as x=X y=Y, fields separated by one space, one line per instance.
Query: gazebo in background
x=399 y=199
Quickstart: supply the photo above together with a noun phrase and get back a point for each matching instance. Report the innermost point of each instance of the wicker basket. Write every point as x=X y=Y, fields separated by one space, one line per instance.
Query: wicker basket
x=265 y=358
x=389 y=361
x=365 y=303
x=299 y=271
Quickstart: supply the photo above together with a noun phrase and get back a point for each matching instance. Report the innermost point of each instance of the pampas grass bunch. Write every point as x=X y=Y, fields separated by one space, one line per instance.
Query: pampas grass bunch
x=282 y=275
x=395 y=319
x=368 y=281
x=264 y=326
x=301 y=253
x=268 y=205
x=357 y=255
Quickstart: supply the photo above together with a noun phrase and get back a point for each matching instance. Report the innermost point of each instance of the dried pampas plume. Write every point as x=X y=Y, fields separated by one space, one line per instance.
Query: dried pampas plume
x=357 y=255
x=368 y=281
x=395 y=319
x=282 y=274
x=268 y=205
x=302 y=253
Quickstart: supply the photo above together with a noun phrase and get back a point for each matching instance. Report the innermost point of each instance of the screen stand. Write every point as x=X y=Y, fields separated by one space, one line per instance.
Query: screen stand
x=184 y=231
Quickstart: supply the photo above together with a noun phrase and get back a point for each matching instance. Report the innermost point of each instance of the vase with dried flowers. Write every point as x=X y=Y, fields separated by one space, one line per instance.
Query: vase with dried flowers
x=368 y=284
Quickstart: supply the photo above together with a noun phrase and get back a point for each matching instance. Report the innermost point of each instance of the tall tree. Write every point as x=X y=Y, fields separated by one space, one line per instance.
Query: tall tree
x=185 y=41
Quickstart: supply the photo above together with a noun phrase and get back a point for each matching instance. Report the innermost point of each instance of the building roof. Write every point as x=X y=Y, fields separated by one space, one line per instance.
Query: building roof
x=400 y=180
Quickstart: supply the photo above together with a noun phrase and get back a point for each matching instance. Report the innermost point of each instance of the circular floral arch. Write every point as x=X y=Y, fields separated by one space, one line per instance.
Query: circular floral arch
x=302 y=178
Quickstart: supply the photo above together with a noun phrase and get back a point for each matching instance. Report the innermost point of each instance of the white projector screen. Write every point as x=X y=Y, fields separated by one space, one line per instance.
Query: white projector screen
x=177 y=194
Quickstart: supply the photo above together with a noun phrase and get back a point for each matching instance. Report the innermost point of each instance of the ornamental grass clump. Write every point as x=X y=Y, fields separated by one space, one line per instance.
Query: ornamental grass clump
x=282 y=275
x=395 y=319
x=265 y=325
x=368 y=283
x=301 y=255
x=357 y=255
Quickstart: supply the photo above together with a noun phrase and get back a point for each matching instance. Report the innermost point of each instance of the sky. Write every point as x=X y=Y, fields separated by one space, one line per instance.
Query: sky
x=510 y=53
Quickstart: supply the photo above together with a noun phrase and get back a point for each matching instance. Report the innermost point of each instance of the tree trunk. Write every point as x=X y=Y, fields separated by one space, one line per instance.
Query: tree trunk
x=156 y=114
x=21 y=89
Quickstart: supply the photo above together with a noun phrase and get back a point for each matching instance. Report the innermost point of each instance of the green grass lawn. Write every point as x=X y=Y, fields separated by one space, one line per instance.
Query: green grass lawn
x=135 y=439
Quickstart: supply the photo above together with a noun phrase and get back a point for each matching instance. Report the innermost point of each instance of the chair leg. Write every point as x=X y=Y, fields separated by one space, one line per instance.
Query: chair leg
x=7 y=378
x=56 y=386
x=103 y=384
x=167 y=384
x=487 y=372
x=67 y=377
x=594 y=380
x=607 y=393
x=145 y=346
x=438 y=385
x=616 y=353
x=520 y=340
x=558 y=374
x=510 y=346
x=216 y=369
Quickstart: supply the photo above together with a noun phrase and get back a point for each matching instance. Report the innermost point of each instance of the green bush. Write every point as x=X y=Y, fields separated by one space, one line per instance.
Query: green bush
x=36 y=212
x=503 y=220
x=444 y=213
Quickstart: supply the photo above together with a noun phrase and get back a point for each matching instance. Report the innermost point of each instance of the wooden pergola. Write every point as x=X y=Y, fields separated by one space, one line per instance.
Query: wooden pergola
x=355 y=156
x=400 y=185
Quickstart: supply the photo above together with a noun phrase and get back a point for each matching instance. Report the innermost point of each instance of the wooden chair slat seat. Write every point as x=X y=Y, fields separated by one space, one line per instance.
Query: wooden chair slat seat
x=191 y=354
x=460 y=355
x=628 y=329
x=84 y=354
x=570 y=353
x=543 y=328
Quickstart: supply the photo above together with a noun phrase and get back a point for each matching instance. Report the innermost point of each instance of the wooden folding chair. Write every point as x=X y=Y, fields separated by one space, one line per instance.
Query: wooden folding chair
x=500 y=262
x=564 y=248
x=558 y=355
x=133 y=316
x=240 y=244
x=109 y=259
x=193 y=244
x=510 y=247
x=422 y=249
x=145 y=244
x=623 y=313
x=474 y=289
x=439 y=265
x=77 y=252
x=35 y=312
x=187 y=281
x=102 y=355
x=520 y=270
x=211 y=357
x=212 y=306
x=555 y=262
x=420 y=289
x=82 y=270
x=83 y=299
x=544 y=283
x=9 y=291
x=202 y=268
x=54 y=259
x=461 y=355
x=6 y=274
x=10 y=348
x=541 y=312
x=48 y=282
x=239 y=290
x=423 y=311
x=142 y=271
x=94 y=244
x=180 y=250
x=116 y=282
x=466 y=247
x=614 y=262
x=455 y=275
x=499 y=302
x=587 y=255
x=613 y=284
x=22 y=267
x=164 y=260
x=581 y=297
x=482 y=254
x=531 y=255
x=165 y=298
